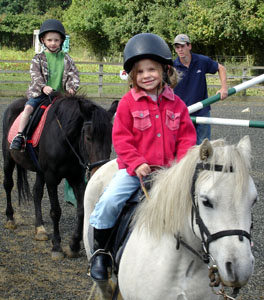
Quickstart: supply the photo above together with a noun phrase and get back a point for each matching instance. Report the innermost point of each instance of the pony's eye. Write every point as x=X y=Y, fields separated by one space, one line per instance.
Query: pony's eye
x=207 y=203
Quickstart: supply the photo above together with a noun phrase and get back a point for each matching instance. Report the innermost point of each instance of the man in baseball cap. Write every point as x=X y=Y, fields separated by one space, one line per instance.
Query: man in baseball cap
x=192 y=87
x=181 y=39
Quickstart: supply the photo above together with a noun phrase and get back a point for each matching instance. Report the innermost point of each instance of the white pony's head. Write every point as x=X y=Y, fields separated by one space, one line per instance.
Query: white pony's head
x=223 y=197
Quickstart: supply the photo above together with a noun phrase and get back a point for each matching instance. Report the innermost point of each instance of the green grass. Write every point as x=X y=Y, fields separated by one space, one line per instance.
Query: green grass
x=77 y=55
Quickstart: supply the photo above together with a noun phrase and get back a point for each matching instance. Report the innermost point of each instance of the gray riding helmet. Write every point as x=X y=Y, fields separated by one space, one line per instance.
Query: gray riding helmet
x=52 y=25
x=146 y=45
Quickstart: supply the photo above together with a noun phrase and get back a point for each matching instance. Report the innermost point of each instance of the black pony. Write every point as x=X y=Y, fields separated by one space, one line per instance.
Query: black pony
x=76 y=135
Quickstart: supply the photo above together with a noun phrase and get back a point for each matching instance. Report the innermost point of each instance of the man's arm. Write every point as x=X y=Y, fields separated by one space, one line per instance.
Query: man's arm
x=222 y=75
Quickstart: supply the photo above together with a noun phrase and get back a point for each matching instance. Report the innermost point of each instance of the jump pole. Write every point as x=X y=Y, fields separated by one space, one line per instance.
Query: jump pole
x=242 y=86
x=232 y=122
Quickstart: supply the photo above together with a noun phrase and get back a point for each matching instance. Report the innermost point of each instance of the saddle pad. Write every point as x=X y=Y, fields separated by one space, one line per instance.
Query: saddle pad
x=37 y=132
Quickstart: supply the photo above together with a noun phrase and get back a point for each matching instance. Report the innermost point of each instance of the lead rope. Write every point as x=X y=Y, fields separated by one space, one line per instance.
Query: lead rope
x=222 y=292
x=215 y=281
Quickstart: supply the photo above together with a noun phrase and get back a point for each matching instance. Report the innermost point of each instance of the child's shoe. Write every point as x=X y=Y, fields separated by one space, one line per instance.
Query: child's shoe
x=18 y=142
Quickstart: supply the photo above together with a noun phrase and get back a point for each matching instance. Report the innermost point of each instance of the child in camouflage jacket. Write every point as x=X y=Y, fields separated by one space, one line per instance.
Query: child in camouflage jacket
x=50 y=70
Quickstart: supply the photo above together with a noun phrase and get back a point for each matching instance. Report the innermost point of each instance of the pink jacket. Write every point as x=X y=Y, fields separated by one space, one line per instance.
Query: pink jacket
x=151 y=132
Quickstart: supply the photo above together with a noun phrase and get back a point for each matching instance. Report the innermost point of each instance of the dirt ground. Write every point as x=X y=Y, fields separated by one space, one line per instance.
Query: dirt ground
x=26 y=269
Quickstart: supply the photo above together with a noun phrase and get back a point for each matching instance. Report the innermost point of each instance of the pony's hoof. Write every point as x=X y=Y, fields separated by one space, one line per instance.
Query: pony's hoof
x=55 y=255
x=10 y=224
x=69 y=253
x=41 y=234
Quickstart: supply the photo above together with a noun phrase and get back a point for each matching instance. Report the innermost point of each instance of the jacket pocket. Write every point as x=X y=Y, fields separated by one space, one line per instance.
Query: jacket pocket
x=172 y=120
x=142 y=119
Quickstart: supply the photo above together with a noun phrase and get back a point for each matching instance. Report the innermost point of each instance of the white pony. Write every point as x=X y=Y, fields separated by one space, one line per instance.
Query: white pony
x=198 y=215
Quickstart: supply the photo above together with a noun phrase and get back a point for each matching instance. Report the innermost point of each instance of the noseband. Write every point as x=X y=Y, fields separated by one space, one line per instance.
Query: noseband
x=207 y=237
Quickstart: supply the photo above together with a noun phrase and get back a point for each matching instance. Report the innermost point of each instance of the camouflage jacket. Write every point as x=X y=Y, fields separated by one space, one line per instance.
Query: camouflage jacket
x=39 y=75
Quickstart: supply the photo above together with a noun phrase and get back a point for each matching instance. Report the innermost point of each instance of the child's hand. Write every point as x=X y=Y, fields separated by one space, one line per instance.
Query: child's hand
x=143 y=170
x=71 y=91
x=47 y=90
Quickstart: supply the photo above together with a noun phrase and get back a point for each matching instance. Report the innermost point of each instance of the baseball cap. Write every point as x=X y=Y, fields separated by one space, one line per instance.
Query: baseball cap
x=181 y=39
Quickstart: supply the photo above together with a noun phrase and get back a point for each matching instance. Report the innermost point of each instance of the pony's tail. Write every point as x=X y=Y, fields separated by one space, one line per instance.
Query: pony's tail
x=23 y=188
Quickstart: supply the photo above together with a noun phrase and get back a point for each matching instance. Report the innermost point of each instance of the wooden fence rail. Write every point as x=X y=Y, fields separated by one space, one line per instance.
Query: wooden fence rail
x=235 y=74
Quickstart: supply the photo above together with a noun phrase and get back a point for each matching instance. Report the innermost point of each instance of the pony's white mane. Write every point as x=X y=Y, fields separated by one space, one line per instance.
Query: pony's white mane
x=170 y=197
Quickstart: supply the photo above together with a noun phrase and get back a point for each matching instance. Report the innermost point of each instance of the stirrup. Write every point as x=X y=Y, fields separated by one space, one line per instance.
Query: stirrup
x=109 y=267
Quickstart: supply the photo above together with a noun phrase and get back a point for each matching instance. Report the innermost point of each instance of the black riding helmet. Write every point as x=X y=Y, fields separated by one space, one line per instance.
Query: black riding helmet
x=146 y=45
x=52 y=25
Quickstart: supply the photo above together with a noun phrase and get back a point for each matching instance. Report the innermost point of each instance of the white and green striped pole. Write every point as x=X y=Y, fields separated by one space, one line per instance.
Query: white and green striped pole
x=232 y=122
x=242 y=86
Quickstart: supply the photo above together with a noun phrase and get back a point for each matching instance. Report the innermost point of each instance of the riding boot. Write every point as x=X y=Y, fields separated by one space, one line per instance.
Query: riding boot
x=101 y=260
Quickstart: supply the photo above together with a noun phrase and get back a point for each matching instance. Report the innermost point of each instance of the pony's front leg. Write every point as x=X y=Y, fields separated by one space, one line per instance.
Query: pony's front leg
x=55 y=214
x=41 y=233
x=74 y=245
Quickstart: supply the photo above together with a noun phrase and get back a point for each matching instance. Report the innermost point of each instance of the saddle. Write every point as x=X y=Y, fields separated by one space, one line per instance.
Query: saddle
x=34 y=128
x=123 y=228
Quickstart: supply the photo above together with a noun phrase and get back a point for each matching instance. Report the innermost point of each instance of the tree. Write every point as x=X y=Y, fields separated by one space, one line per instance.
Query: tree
x=106 y=25
x=227 y=27
x=12 y=6
x=31 y=6
x=19 y=18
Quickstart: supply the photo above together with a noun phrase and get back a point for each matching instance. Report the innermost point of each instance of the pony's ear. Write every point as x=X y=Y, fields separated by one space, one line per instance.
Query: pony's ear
x=244 y=147
x=111 y=111
x=206 y=150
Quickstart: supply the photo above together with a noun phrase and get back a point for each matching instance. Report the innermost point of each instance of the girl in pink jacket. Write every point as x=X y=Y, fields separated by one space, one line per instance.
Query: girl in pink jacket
x=152 y=127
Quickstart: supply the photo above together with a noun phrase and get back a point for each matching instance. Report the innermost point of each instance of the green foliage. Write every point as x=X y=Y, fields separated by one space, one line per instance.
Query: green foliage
x=20 y=18
x=12 y=7
x=227 y=27
x=106 y=25
x=216 y=27
x=31 y=6
x=24 y=24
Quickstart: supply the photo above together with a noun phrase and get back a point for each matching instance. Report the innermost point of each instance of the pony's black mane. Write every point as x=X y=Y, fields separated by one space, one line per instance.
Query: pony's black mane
x=100 y=121
x=67 y=111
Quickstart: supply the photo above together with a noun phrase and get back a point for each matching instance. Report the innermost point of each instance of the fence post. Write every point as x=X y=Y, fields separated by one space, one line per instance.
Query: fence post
x=100 y=80
x=244 y=74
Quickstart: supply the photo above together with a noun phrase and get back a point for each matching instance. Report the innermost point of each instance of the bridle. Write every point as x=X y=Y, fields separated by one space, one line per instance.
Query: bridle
x=87 y=165
x=207 y=237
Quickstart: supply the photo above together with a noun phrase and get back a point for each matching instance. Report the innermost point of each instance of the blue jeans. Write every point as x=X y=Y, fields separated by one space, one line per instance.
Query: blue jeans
x=114 y=198
x=203 y=130
x=34 y=102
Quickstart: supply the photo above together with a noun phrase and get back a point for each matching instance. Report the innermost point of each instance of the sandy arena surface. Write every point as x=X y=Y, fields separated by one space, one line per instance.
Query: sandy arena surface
x=26 y=269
